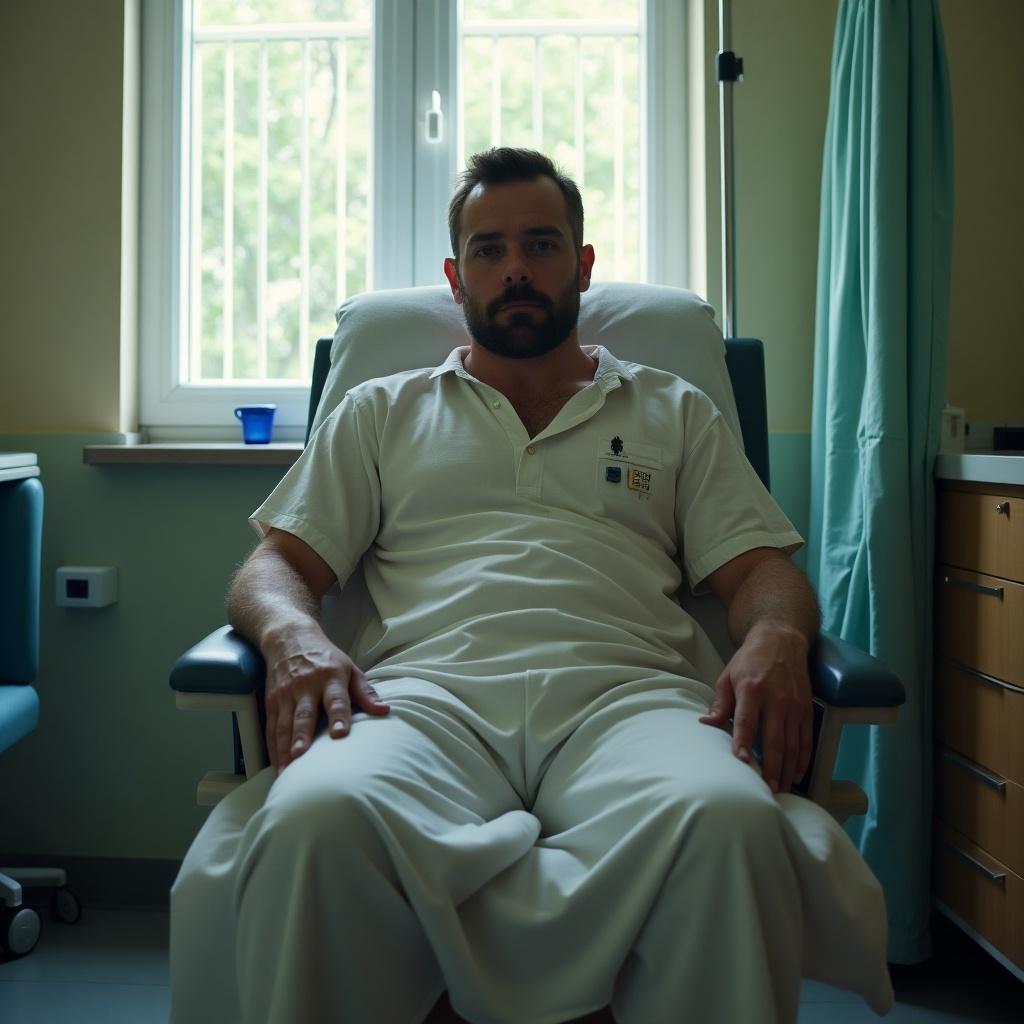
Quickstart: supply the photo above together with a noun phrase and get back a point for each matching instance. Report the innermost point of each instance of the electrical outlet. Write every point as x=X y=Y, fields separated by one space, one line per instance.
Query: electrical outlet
x=86 y=586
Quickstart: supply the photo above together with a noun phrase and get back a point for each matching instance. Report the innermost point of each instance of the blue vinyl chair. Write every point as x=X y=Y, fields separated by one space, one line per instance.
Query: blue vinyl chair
x=385 y=332
x=21 y=529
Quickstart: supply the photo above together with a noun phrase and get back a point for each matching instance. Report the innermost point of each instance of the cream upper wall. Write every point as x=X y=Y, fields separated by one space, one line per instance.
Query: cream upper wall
x=779 y=112
x=986 y=354
x=62 y=73
x=61 y=65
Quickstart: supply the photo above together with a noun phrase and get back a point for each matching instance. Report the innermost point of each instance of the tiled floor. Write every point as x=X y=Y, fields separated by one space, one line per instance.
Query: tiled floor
x=111 y=968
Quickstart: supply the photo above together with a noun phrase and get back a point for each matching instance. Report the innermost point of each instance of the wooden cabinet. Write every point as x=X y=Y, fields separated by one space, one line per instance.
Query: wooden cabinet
x=978 y=862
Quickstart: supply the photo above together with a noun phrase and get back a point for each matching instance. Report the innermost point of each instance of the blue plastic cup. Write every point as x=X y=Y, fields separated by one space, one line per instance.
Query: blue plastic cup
x=257 y=422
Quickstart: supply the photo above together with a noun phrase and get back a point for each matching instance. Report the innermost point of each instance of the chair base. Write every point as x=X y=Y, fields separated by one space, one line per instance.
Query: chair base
x=20 y=925
x=13 y=879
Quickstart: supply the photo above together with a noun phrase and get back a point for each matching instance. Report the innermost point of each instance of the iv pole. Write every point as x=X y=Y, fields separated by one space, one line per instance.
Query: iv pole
x=729 y=71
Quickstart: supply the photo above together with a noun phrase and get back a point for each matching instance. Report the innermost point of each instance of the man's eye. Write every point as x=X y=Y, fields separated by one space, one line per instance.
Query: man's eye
x=486 y=250
x=543 y=245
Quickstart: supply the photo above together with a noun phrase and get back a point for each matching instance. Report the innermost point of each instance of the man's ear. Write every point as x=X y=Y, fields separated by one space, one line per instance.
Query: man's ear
x=586 y=266
x=451 y=272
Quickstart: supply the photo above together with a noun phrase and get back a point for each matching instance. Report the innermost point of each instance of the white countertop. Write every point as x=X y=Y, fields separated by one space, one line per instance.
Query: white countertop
x=18 y=465
x=982 y=467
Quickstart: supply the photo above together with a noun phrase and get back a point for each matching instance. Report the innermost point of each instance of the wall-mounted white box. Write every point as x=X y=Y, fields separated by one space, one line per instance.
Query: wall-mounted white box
x=86 y=586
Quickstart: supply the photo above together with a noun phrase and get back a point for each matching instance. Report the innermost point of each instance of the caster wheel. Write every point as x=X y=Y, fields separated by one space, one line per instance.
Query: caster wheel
x=66 y=907
x=19 y=930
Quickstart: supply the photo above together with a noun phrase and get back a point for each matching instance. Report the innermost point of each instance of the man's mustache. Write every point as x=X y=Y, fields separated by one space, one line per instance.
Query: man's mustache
x=519 y=295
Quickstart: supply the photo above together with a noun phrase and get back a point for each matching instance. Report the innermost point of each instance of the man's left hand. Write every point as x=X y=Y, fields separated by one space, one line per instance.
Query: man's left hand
x=767 y=678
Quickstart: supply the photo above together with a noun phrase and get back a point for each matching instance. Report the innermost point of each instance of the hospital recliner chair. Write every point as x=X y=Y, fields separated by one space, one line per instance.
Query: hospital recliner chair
x=21 y=530
x=385 y=332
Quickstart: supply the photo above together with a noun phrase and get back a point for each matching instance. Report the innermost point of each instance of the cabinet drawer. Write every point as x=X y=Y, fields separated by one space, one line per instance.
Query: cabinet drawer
x=981 y=805
x=981 y=890
x=980 y=719
x=983 y=532
x=981 y=622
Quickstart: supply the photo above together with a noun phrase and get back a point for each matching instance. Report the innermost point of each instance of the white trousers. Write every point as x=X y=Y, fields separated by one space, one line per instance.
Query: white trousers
x=639 y=865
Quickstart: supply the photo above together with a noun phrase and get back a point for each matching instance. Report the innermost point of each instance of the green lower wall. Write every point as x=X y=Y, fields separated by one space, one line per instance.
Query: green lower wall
x=111 y=769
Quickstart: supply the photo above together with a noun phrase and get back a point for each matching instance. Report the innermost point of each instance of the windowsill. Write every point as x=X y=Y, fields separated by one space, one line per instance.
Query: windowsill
x=192 y=454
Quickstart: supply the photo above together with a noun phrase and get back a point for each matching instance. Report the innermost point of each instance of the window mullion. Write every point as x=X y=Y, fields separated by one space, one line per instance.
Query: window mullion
x=495 y=90
x=436 y=69
x=664 y=163
x=577 y=107
x=392 y=174
x=229 y=210
x=193 y=208
x=618 y=185
x=304 y=341
x=263 y=200
x=341 y=181
x=538 y=94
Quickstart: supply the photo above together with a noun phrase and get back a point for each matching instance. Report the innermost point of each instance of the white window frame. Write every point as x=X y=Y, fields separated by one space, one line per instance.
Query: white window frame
x=413 y=49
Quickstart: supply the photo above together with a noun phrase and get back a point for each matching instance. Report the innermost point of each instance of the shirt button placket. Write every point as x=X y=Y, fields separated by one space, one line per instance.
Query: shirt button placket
x=530 y=472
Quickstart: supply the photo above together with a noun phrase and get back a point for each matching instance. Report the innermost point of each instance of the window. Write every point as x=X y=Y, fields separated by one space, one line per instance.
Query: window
x=296 y=152
x=568 y=86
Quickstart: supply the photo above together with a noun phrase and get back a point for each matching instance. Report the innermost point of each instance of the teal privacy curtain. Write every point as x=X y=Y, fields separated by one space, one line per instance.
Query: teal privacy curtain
x=879 y=379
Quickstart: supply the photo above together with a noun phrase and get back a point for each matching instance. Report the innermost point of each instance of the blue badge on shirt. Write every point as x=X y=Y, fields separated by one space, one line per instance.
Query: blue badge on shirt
x=613 y=474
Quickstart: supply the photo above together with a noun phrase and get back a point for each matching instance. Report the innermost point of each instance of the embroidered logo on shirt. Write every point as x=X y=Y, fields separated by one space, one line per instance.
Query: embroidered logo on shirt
x=639 y=480
x=616 y=445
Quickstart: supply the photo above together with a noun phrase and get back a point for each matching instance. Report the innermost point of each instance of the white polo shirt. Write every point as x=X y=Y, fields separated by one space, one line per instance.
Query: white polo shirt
x=490 y=553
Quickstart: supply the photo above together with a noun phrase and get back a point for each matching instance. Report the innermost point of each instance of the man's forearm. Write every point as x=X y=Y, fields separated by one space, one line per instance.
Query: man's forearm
x=774 y=592
x=269 y=596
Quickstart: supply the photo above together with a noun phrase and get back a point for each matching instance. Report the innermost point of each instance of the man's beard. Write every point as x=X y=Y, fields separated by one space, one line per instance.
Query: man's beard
x=523 y=336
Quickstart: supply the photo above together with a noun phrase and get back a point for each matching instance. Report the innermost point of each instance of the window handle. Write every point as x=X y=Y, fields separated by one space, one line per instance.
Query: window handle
x=435 y=118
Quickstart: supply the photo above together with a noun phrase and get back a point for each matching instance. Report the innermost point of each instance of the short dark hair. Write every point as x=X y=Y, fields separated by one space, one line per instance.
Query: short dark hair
x=503 y=164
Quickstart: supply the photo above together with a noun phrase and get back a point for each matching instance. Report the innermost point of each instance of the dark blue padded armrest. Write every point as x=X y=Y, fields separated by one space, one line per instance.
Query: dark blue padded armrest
x=841 y=674
x=846 y=676
x=223 y=662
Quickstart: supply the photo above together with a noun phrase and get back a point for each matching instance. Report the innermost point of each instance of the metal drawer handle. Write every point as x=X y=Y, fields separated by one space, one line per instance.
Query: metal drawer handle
x=999 y=877
x=998 y=784
x=967 y=670
x=978 y=588
x=1003 y=508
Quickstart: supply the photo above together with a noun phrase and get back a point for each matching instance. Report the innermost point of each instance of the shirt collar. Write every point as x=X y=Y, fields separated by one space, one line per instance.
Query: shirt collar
x=610 y=371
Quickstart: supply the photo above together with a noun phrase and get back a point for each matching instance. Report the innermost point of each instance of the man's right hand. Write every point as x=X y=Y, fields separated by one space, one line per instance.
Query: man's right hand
x=273 y=602
x=305 y=672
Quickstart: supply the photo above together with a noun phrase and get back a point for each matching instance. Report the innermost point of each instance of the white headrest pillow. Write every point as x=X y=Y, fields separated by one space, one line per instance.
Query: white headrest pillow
x=385 y=332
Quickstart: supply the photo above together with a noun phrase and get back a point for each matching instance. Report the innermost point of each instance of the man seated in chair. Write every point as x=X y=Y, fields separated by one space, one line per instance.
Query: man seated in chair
x=527 y=792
